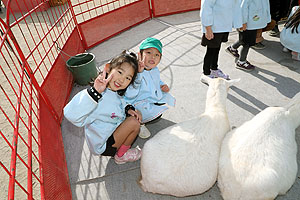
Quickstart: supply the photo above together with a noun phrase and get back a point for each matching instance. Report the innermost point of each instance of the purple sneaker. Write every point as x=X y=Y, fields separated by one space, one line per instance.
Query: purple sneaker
x=219 y=74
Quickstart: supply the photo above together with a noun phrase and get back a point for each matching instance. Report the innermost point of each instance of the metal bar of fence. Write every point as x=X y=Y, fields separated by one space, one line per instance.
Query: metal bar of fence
x=83 y=40
x=13 y=169
x=29 y=138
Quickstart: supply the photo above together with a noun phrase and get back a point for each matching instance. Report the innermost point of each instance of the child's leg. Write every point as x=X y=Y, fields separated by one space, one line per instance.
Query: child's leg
x=208 y=59
x=259 y=37
x=242 y=63
x=215 y=58
x=215 y=72
x=244 y=52
x=233 y=49
x=124 y=136
x=249 y=37
x=238 y=43
x=127 y=132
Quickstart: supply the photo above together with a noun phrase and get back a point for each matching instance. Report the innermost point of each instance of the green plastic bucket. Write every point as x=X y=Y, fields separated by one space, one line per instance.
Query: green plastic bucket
x=83 y=68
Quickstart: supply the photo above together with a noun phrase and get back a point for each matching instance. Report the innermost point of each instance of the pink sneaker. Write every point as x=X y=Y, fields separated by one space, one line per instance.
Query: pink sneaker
x=131 y=155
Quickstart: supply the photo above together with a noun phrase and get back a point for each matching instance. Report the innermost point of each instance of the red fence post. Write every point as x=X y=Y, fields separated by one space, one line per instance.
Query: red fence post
x=83 y=40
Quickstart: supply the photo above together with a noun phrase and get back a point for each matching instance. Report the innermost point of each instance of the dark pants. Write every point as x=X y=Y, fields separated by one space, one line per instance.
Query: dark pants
x=110 y=150
x=213 y=47
x=246 y=39
x=210 y=60
x=280 y=8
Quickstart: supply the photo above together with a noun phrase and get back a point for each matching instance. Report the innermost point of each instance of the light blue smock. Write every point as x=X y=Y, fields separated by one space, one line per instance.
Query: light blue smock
x=256 y=13
x=145 y=92
x=291 y=40
x=98 y=119
x=221 y=15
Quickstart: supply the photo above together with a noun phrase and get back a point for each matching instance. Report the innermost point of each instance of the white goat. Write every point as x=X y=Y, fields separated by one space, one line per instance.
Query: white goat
x=182 y=159
x=258 y=159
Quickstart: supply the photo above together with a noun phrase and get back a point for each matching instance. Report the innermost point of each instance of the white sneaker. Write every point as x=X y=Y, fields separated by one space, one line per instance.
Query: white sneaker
x=204 y=78
x=131 y=155
x=144 y=132
x=286 y=50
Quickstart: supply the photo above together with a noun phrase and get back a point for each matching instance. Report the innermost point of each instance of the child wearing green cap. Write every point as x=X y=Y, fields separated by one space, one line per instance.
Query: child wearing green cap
x=149 y=94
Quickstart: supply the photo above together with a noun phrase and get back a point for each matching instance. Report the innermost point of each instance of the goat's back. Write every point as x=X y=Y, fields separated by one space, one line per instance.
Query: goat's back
x=258 y=159
x=182 y=160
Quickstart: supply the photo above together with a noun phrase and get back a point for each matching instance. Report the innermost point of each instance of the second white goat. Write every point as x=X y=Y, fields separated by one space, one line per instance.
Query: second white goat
x=258 y=159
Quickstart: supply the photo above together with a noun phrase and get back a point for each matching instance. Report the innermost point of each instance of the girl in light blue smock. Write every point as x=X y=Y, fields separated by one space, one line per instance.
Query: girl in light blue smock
x=290 y=34
x=256 y=15
x=110 y=125
x=149 y=93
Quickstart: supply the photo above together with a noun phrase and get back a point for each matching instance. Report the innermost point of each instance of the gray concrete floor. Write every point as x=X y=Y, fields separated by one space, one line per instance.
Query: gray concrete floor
x=275 y=80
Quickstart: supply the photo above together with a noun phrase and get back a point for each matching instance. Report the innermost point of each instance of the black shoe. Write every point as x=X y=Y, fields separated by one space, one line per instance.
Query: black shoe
x=232 y=51
x=259 y=46
x=274 y=32
x=244 y=66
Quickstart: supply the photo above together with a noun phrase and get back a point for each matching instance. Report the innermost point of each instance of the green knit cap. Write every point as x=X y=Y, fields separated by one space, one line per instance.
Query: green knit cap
x=151 y=42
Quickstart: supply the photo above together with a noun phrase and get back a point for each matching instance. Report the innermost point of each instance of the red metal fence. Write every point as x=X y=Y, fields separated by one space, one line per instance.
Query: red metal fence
x=35 y=84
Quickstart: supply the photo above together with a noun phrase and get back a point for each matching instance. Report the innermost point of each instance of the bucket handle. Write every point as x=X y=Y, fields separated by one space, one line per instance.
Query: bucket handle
x=80 y=56
x=70 y=69
x=61 y=51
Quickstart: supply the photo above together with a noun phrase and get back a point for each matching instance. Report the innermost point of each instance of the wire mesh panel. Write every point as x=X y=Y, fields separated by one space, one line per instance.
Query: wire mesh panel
x=102 y=19
x=26 y=5
x=38 y=31
x=19 y=120
x=88 y=9
x=30 y=37
x=167 y=7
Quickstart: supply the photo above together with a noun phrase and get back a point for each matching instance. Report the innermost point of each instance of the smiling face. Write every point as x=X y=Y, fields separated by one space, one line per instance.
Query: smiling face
x=121 y=77
x=152 y=57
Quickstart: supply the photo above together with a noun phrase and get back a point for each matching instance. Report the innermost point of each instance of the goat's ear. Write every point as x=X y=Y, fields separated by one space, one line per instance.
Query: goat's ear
x=233 y=81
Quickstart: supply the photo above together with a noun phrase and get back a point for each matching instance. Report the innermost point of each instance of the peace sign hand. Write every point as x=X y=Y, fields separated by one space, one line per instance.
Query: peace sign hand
x=101 y=82
x=141 y=62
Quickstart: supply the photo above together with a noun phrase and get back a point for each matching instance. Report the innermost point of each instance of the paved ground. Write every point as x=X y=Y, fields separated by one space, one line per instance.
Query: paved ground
x=273 y=83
